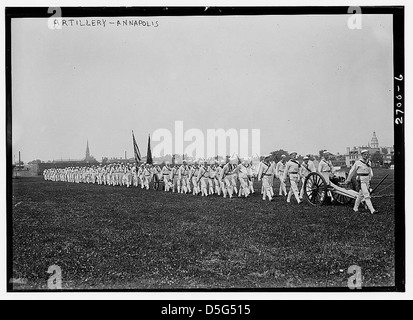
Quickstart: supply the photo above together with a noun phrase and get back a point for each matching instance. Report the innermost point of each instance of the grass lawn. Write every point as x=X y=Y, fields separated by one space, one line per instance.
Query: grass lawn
x=126 y=238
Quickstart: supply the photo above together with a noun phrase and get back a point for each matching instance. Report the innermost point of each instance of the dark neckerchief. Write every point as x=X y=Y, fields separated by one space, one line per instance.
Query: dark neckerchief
x=296 y=162
x=366 y=163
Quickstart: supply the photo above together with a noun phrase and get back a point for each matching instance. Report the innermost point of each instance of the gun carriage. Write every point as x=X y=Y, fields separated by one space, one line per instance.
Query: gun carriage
x=316 y=188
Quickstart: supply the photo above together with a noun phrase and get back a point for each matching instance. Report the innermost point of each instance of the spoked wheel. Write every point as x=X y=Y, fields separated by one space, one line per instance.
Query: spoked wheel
x=315 y=189
x=342 y=199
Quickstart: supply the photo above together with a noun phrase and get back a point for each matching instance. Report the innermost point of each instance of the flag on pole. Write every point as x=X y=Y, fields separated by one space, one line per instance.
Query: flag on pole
x=136 y=150
x=149 y=153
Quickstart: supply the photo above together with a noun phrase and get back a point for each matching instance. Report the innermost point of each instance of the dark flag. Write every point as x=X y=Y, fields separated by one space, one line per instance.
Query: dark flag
x=136 y=150
x=149 y=152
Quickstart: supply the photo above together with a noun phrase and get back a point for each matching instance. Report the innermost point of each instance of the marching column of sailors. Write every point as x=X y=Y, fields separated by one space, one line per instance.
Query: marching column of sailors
x=227 y=178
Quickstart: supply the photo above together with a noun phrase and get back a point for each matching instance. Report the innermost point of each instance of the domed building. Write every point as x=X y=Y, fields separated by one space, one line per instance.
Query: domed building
x=374 y=141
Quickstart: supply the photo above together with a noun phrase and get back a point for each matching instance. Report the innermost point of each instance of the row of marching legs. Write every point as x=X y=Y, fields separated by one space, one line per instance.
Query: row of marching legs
x=267 y=189
x=205 y=187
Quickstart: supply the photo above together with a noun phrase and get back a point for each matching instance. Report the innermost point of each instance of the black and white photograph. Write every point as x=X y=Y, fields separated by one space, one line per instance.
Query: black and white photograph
x=194 y=149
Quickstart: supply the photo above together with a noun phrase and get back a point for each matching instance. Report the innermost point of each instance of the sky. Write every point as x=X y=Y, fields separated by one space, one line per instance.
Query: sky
x=306 y=82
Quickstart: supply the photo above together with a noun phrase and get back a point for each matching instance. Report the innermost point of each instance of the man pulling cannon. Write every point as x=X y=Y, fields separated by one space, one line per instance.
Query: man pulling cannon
x=362 y=168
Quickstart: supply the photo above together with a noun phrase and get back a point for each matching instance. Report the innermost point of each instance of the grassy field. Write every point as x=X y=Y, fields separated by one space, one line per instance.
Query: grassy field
x=127 y=238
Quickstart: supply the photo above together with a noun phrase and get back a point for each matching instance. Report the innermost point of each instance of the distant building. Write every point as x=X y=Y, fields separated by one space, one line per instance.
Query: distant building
x=352 y=155
x=88 y=157
x=64 y=163
x=338 y=160
x=113 y=160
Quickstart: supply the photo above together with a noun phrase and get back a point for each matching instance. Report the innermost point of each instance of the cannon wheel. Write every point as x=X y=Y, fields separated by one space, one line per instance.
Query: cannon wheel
x=342 y=199
x=315 y=189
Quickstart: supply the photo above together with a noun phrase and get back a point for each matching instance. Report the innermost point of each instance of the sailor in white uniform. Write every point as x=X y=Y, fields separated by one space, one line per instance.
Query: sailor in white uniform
x=362 y=168
x=292 y=172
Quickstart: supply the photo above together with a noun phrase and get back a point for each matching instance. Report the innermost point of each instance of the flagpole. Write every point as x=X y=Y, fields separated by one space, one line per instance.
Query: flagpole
x=137 y=153
x=149 y=159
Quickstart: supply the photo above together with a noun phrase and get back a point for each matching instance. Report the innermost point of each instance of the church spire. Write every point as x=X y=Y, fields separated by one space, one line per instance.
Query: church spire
x=87 y=151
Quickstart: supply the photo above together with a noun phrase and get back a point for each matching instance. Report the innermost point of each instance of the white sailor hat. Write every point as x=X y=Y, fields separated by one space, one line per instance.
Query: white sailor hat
x=364 y=151
x=326 y=152
x=294 y=152
x=306 y=158
x=283 y=156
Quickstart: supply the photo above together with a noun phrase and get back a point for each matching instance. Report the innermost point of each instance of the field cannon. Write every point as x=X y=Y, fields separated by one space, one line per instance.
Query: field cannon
x=316 y=188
